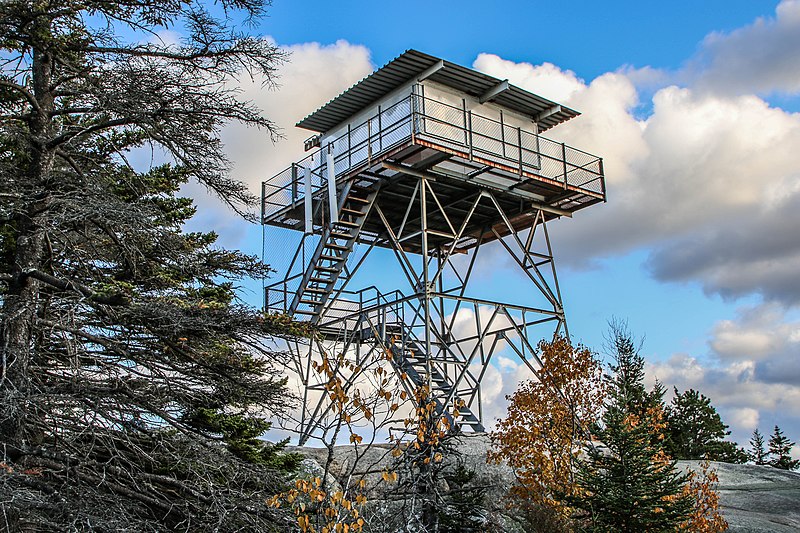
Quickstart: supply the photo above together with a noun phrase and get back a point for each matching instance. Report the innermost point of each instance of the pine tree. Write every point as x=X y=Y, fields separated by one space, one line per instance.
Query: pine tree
x=133 y=383
x=727 y=452
x=758 y=454
x=464 y=503
x=635 y=486
x=780 y=448
x=694 y=428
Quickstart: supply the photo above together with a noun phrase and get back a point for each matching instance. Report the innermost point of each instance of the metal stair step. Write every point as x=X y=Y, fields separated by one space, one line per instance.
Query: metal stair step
x=347 y=223
x=326 y=267
x=305 y=312
x=357 y=199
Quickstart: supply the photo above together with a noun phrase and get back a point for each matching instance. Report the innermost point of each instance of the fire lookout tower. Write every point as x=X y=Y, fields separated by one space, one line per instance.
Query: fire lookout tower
x=434 y=162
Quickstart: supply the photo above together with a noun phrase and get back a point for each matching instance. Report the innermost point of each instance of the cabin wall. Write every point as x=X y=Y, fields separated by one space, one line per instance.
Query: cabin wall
x=436 y=92
x=455 y=98
x=387 y=101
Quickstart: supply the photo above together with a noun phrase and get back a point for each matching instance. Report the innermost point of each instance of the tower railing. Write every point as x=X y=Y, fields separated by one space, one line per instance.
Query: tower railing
x=442 y=126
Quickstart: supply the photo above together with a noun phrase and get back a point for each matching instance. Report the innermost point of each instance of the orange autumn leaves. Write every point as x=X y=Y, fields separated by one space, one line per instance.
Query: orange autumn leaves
x=705 y=517
x=548 y=425
x=548 y=421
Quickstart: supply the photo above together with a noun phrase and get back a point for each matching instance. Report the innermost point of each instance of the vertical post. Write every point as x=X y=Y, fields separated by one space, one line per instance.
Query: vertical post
x=349 y=149
x=480 y=404
x=464 y=118
x=564 y=162
x=294 y=183
x=263 y=200
x=307 y=207
x=369 y=142
x=334 y=207
x=426 y=301
x=469 y=130
x=383 y=324
x=519 y=148
x=502 y=133
x=412 y=109
x=380 y=129
x=602 y=180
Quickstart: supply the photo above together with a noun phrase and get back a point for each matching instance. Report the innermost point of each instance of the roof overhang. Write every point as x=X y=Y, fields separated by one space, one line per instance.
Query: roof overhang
x=413 y=65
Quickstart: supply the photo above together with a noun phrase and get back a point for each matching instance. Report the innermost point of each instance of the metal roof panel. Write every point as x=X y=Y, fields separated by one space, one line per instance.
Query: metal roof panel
x=412 y=63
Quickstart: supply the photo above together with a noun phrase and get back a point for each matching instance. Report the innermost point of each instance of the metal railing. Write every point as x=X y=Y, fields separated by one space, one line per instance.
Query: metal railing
x=473 y=136
x=345 y=309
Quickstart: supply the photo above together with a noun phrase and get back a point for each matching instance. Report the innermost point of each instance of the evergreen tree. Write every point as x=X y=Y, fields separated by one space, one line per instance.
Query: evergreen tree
x=780 y=448
x=464 y=505
x=133 y=384
x=696 y=431
x=635 y=486
x=758 y=454
x=727 y=452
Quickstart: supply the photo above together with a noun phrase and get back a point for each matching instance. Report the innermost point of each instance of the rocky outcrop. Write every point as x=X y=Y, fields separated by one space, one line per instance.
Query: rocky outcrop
x=757 y=499
x=753 y=499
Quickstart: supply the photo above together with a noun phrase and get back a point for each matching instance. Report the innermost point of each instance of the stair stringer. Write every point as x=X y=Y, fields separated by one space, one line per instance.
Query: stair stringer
x=338 y=239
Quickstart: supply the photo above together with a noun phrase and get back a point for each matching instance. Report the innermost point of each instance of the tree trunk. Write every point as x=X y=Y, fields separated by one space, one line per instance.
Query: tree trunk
x=20 y=302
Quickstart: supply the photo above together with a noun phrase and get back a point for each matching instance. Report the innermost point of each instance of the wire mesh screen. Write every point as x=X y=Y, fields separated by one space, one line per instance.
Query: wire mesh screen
x=452 y=128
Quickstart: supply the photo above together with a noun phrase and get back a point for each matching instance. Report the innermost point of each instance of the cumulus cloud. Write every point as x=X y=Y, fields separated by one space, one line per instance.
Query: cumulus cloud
x=753 y=376
x=761 y=58
x=707 y=182
x=757 y=334
x=313 y=75
x=551 y=81
x=499 y=382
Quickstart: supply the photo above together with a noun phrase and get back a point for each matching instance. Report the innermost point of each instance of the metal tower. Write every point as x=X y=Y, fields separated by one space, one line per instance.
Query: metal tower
x=434 y=162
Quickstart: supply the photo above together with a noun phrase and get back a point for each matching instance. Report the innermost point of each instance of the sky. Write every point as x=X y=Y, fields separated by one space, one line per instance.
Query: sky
x=695 y=108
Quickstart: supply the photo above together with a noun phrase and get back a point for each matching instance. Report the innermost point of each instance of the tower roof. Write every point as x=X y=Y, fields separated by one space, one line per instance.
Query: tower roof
x=413 y=64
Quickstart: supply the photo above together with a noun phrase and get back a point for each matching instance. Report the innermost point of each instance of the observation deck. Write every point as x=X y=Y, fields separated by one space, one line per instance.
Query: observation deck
x=463 y=151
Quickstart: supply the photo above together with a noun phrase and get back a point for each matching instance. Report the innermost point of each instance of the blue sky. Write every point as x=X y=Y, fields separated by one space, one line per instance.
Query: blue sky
x=693 y=105
x=588 y=37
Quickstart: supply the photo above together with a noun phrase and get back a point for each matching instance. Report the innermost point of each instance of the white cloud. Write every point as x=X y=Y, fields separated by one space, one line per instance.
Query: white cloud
x=707 y=182
x=313 y=75
x=500 y=382
x=745 y=418
x=550 y=81
x=754 y=379
x=758 y=334
x=762 y=58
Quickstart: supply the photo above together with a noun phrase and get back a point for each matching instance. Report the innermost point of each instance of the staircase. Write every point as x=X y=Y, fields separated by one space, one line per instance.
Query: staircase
x=335 y=245
x=409 y=358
